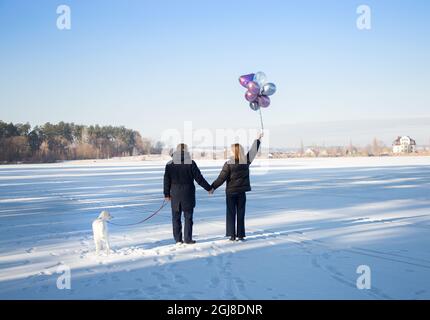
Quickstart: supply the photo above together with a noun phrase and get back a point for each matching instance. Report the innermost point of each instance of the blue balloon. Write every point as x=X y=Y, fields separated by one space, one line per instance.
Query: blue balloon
x=254 y=106
x=268 y=89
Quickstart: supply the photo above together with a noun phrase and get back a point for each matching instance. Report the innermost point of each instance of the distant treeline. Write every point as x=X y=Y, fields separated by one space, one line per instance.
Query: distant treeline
x=69 y=141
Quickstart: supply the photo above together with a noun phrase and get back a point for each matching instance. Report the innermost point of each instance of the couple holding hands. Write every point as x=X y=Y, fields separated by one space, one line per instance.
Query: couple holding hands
x=179 y=177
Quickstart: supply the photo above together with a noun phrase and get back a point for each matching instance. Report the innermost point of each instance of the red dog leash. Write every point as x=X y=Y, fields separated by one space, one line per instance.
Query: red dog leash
x=142 y=221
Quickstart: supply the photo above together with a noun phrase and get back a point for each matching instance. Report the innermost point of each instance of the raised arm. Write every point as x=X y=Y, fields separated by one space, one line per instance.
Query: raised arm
x=223 y=176
x=252 y=153
x=198 y=177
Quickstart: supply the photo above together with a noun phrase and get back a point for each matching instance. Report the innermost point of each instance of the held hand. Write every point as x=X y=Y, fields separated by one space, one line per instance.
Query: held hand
x=167 y=199
x=211 y=192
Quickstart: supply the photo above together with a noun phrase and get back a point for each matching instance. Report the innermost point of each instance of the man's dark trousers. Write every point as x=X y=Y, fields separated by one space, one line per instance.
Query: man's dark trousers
x=177 y=225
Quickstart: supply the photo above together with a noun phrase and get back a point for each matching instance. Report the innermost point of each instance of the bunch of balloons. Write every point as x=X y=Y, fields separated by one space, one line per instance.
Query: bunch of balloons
x=258 y=91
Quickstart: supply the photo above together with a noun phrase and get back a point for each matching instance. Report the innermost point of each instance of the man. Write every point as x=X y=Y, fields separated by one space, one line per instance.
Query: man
x=179 y=188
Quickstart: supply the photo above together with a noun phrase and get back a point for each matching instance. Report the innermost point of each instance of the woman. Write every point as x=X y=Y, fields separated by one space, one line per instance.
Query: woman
x=236 y=172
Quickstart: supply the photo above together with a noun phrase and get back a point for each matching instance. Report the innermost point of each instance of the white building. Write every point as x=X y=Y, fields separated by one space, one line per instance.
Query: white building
x=404 y=144
x=310 y=152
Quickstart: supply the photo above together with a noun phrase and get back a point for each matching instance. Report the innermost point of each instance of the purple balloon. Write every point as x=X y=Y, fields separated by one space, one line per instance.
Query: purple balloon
x=253 y=87
x=249 y=96
x=244 y=80
x=263 y=101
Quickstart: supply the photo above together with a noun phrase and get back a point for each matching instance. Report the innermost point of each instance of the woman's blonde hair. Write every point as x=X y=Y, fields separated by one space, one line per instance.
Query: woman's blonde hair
x=182 y=147
x=238 y=153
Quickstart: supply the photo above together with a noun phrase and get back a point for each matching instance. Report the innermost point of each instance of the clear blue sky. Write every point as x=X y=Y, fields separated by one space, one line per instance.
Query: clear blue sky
x=150 y=65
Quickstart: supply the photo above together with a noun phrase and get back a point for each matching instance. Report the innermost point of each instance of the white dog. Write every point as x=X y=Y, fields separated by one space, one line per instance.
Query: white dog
x=100 y=231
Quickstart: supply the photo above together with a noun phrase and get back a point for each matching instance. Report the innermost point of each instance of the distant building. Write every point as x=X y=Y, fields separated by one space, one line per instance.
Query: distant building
x=404 y=144
x=323 y=153
x=310 y=152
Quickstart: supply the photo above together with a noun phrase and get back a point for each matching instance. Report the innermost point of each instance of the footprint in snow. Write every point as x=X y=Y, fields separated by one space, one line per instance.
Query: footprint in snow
x=214 y=282
x=420 y=292
x=159 y=261
x=158 y=275
x=45 y=272
x=240 y=283
x=326 y=255
x=130 y=292
x=180 y=279
x=315 y=263
x=209 y=261
x=43 y=288
x=165 y=286
x=334 y=270
x=152 y=290
x=83 y=255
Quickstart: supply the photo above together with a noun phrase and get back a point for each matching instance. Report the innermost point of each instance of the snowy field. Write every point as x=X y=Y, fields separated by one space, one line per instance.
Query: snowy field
x=310 y=224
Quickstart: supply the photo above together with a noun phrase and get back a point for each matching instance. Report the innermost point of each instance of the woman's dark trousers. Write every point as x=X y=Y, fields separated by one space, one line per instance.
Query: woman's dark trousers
x=236 y=203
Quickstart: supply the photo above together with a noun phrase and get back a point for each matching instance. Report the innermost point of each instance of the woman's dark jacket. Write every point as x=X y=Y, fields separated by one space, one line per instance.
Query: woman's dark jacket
x=237 y=174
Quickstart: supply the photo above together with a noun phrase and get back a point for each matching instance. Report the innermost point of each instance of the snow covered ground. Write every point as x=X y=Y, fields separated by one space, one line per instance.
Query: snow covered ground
x=310 y=224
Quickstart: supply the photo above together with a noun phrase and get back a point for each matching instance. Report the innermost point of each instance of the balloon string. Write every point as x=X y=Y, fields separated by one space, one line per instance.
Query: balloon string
x=261 y=120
